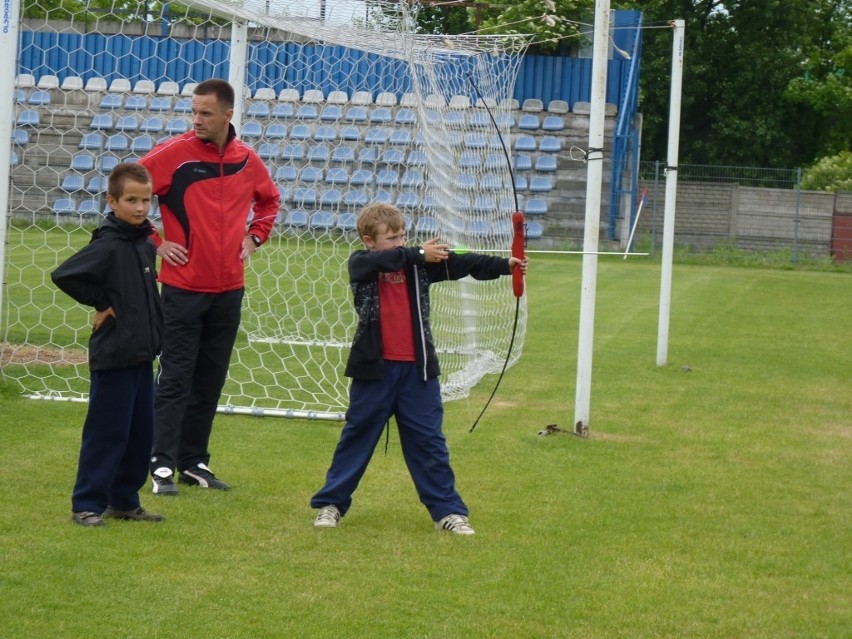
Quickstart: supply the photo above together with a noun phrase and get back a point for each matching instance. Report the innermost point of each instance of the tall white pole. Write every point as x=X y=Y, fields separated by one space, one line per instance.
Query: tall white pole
x=591 y=234
x=671 y=194
x=237 y=68
x=8 y=71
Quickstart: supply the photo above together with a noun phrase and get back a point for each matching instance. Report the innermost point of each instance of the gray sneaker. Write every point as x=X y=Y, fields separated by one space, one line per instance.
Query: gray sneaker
x=457 y=524
x=87 y=518
x=327 y=517
x=138 y=514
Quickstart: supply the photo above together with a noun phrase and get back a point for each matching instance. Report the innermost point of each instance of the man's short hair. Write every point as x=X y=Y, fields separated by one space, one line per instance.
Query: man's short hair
x=123 y=173
x=374 y=215
x=223 y=91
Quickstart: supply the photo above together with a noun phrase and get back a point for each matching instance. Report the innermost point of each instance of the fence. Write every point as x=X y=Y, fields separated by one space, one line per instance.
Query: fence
x=748 y=208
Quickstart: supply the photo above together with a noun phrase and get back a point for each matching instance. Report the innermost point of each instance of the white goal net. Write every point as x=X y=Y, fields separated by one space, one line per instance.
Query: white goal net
x=346 y=103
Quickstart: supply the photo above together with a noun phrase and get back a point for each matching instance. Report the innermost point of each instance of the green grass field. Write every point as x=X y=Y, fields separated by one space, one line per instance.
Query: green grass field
x=713 y=497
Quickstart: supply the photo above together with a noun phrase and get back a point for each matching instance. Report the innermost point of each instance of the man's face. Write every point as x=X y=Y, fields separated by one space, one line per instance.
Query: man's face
x=209 y=119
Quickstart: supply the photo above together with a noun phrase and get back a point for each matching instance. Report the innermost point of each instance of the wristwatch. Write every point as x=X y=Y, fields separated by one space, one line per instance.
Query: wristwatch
x=256 y=240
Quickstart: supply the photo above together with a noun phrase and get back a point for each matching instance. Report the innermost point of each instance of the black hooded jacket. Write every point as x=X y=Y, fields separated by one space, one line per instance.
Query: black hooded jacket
x=117 y=268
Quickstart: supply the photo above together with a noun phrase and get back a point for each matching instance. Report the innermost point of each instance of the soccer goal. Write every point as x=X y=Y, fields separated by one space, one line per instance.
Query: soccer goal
x=347 y=104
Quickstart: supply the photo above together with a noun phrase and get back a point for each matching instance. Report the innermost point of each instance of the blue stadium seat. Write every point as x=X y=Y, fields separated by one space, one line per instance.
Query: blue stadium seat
x=350 y=133
x=111 y=101
x=302 y=196
x=400 y=137
x=376 y=135
x=356 y=197
x=407 y=200
x=293 y=151
x=362 y=177
x=101 y=122
x=491 y=182
x=283 y=111
x=523 y=162
x=385 y=197
x=343 y=154
x=258 y=110
x=479 y=228
x=325 y=133
x=475 y=140
x=533 y=231
x=136 y=103
x=251 y=129
x=494 y=161
x=416 y=158
x=72 y=183
x=296 y=218
x=20 y=96
x=426 y=225
x=117 y=142
x=367 y=155
x=14 y=159
x=127 y=123
x=381 y=115
x=183 y=105
x=177 y=126
x=525 y=143
x=268 y=151
x=319 y=153
x=346 y=222
x=545 y=163
x=465 y=181
x=485 y=204
x=300 y=131
x=406 y=116
x=276 y=131
x=535 y=206
x=92 y=141
x=412 y=179
x=356 y=114
x=337 y=175
x=311 y=175
x=142 y=144
x=288 y=173
x=160 y=104
x=505 y=120
x=553 y=123
x=520 y=183
x=480 y=120
x=392 y=156
x=550 y=144
x=83 y=162
x=152 y=125
x=307 y=112
x=433 y=117
x=387 y=177
x=470 y=160
x=455 y=119
x=322 y=221
x=331 y=113
x=64 y=206
x=89 y=208
x=97 y=184
x=330 y=198
x=28 y=118
x=541 y=184
x=529 y=122
x=107 y=163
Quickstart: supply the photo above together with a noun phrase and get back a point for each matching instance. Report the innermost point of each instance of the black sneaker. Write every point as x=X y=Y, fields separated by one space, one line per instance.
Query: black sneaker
x=87 y=518
x=201 y=475
x=162 y=482
x=138 y=514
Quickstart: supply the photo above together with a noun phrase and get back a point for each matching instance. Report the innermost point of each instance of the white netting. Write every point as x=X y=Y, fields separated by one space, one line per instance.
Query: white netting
x=347 y=107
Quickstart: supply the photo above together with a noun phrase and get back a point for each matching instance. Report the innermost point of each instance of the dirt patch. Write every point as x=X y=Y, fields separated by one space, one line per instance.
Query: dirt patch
x=28 y=354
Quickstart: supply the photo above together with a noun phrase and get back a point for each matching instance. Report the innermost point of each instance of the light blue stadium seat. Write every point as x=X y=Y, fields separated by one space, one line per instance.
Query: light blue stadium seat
x=89 y=208
x=553 y=123
x=28 y=118
x=307 y=112
x=300 y=131
x=484 y=204
x=346 y=222
x=383 y=196
x=325 y=133
x=541 y=184
x=381 y=115
x=367 y=155
x=356 y=114
x=297 y=218
x=142 y=144
x=117 y=142
x=302 y=196
x=14 y=159
x=470 y=160
x=258 y=110
x=406 y=116
x=392 y=156
x=337 y=175
x=376 y=135
x=535 y=206
x=407 y=200
x=319 y=153
x=529 y=122
x=350 y=133
x=416 y=157
x=152 y=125
x=101 y=122
x=455 y=119
x=111 y=101
x=160 y=104
x=505 y=120
x=83 y=162
x=545 y=163
x=475 y=140
x=331 y=113
x=177 y=126
x=20 y=96
x=283 y=111
x=525 y=143
x=136 y=103
x=344 y=154
x=523 y=162
x=97 y=184
x=479 y=228
x=72 y=183
x=330 y=198
x=268 y=151
x=293 y=151
x=288 y=173
x=412 y=179
x=322 y=221
x=480 y=120
x=550 y=144
x=92 y=141
x=356 y=198
x=432 y=117
x=494 y=161
x=107 y=163
x=251 y=129
x=491 y=182
x=400 y=137
x=387 y=177
x=183 y=105
x=128 y=123
x=465 y=181
x=64 y=206
x=276 y=131
x=533 y=230
x=311 y=175
x=520 y=183
x=426 y=225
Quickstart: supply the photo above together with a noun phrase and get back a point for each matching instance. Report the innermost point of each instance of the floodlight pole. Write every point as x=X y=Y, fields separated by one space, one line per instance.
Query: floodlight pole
x=591 y=236
x=8 y=71
x=671 y=193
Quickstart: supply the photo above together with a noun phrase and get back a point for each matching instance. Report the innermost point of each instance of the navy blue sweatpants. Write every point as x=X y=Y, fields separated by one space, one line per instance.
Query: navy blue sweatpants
x=116 y=440
x=419 y=413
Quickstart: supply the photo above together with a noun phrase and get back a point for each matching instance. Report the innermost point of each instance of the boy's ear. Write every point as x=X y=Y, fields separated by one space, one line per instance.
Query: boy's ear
x=368 y=241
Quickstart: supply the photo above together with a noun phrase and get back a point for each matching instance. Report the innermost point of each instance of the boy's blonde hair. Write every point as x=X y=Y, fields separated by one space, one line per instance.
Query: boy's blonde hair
x=374 y=215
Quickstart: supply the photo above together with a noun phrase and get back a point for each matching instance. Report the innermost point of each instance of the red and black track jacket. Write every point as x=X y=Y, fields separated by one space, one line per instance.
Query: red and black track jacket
x=206 y=199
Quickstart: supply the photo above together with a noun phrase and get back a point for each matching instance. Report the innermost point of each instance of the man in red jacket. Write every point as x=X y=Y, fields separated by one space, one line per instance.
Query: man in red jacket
x=207 y=182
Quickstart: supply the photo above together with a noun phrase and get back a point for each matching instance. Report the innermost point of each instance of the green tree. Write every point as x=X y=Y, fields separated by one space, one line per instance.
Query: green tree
x=831 y=173
x=552 y=23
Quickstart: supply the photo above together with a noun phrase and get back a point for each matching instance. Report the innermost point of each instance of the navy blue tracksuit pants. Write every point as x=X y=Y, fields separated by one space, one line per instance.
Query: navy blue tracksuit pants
x=419 y=413
x=116 y=440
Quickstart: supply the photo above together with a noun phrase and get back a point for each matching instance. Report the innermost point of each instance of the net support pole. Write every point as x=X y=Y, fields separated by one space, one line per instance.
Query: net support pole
x=591 y=234
x=237 y=68
x=8 y=71
x=671 y=193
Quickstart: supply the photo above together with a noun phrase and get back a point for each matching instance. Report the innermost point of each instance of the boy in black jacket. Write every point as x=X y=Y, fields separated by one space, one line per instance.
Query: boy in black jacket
x=394 y=367
x=116 y=274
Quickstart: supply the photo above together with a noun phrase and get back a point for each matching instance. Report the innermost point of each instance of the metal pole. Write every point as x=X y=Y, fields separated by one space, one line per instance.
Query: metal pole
x=591 y=236
x=671 y=193
x=237 y=69
x=798 y=220
x=8 y=71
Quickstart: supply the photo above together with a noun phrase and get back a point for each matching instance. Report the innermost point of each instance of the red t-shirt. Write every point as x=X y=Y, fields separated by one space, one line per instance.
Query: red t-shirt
x=395 y=308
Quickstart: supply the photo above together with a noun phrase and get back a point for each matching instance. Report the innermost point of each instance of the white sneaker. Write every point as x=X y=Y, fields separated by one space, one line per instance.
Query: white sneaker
x=457 y=524
x=327 y=517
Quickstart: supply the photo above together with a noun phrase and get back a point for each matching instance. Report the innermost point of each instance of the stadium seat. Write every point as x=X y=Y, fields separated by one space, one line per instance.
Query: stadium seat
x=426 y=225
x=330 y=198
x=435 y=101
x=136 y=103
x=465 y=181
x=296 y=218
x=541 y=184
x=151 y=125
x=529 y=122
x=392 y=157
x=48 y=82
x=525 y=142
x=407 y=200
x=491 y=182
x=258 y=110
x=470 y=160
x=307 y=112
x=480 y=120
x=400 y=137
x=107 y=163
x=337 y=175
x=550 y=144
x=268 y=151
x=276 y=131
x=350 y=133
x=25 y=81
x=494 y=160
x=300 y=131
x=346 y=222
x=356 y=198
x=95 y=84
x=322 y=221
x=101 y=122
x=265 y=93
x=168 y=88
x=28 y=118
x=117 y=142
x=363 y=98
x=553 y=123
x=533 y=231
x=319 y=153
x=39 y=97
x=89 y=208
x=331 y=113
x=386 y=99
x=520 y=182
x=289 y=95
x=127 y=123
x=406 y=116
x=183 y=105
x=505 y=120
x=252 y=129
x=559 y=107
x=533 y=105
x=283 y=110
x=376 y=135
x=325 y=133
x=21 y=137
x=288 y=173
x=459 y=102
x=522 y=162
x=97 y=184
x=160 y=104
x=485 y=204
x=313 y=96
x=367 y=155
x=387 y=177
x=416 y=157
x=293 y=151
x=408 y=99
x=380 y=115
x=356 y=114
x=144 y=87
x=412 y=179
x=310 y=175
x=509 y=104
x=455 y=119
x=337 y=97
x=479 y=228
x=382 y=196
x=343 y=154
x=72 y=183
x=72 y=83
x=142 y=144
x=545 y=163
x=20 y=96
x=361 y=177
x=304 y=195
x=64 y=206
x=535 y=206
x=83 y=162
x=475 y=141
x=582 y=107
x=119 y=85
x=177 y=126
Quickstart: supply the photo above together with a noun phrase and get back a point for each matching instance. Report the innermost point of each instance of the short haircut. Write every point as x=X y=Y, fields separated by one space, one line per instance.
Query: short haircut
x=374 y=215
x=123 y=173
x=223 y=91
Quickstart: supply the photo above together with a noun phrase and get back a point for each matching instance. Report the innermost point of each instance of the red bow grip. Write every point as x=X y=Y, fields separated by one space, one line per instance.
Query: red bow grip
x=518 y=241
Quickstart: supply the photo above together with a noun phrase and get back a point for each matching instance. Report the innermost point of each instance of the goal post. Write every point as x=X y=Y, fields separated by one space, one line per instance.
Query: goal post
x=345 y=108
